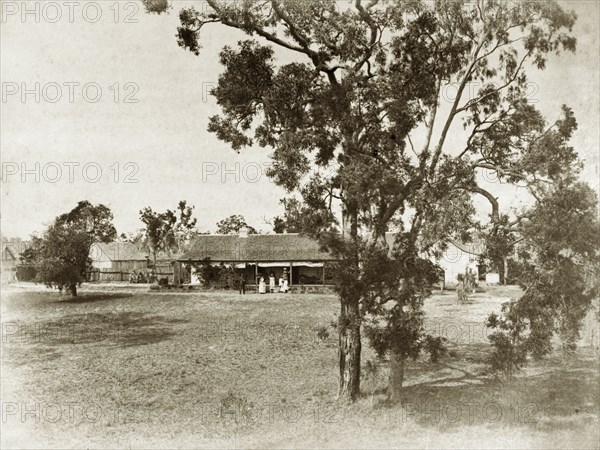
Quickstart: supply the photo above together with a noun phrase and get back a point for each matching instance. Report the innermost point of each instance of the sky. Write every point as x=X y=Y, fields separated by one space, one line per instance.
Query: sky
x=99 y=103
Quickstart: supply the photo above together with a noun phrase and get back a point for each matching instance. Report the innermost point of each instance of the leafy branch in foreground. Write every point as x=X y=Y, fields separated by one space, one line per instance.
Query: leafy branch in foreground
x=558 y=266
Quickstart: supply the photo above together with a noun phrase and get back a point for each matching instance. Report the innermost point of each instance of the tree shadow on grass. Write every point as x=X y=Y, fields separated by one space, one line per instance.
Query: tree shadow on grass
x=91 y=297
x=36 y=304
x=115 y=329
x=562 y=395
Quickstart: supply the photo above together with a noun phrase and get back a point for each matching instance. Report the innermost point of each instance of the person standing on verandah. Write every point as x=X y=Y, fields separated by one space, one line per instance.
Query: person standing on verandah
x=262 y=286
x=272 y=282
x=242 y=283
x=286 y=283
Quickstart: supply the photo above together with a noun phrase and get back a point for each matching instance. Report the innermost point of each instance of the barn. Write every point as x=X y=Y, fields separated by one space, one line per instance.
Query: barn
x=115 y=261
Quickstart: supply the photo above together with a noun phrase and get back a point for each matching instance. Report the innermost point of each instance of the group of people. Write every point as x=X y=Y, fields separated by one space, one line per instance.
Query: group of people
x=137 y=277
x=467 y=284
x=283 y=283
x=142 y=277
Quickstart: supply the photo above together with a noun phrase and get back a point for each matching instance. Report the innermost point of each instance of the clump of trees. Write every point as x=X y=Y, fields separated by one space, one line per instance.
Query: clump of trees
x=61 y=255
x=233 y=224
x=169 y=231
x=358 y=129
x=291 y=221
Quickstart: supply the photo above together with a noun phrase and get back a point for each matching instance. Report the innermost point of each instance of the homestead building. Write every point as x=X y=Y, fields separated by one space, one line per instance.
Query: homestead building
x=262 y=254
x=257 y=255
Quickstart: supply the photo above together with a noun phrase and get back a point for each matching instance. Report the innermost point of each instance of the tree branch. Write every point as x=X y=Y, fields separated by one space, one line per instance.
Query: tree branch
x=493 y=200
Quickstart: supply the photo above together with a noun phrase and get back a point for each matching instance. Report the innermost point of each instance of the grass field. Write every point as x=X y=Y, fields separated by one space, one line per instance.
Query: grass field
x=135 y=369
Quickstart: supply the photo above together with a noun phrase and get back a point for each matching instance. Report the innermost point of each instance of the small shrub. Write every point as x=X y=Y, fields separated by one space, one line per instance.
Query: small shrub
x=235 y=407
x=509 y=341
x=323 y=332
x=436 y=347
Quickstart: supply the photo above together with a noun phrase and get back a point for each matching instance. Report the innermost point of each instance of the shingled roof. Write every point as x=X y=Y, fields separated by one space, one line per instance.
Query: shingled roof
x=274 y=247
x=255 y=247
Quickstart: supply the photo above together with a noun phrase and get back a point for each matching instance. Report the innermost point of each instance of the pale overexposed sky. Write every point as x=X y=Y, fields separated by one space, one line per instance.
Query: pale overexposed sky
x=134 y=132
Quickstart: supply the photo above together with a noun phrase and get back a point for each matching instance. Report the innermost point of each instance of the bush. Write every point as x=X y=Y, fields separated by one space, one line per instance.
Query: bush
x=323 y=332
x=26 y=273
x=509 y=341
x=218 y=277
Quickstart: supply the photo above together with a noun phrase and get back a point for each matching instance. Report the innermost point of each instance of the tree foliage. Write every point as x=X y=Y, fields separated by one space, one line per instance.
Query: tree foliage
x=96 y=220
x=169 y=231
x=558 y=266
x=292 y=219
x=61 y=256
x=233 y=224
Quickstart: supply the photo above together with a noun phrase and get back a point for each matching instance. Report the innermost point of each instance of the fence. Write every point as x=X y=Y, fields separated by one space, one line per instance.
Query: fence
x=109 y=275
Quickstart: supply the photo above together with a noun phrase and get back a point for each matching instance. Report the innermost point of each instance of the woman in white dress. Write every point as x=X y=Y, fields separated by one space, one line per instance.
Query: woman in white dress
x=272 y=282
x=286 y=284
x=262 y=286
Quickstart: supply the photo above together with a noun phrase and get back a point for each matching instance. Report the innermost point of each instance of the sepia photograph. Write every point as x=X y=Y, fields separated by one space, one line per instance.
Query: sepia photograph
x=296 y=224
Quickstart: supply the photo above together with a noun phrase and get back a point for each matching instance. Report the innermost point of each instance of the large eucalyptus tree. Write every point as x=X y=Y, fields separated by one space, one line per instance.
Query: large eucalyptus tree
x=360 y=122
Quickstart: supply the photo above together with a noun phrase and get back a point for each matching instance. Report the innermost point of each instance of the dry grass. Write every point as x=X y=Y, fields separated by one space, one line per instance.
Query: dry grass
x=131 y=369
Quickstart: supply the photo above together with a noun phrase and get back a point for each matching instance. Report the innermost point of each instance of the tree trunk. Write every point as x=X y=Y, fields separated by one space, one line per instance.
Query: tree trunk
x=349 y=346
x=396 y=377
x=349 y=350
x=73 y=289
x=505 y=270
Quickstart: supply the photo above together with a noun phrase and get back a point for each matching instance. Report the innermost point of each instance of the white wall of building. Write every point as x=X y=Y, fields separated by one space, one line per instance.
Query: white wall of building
x=455 y=261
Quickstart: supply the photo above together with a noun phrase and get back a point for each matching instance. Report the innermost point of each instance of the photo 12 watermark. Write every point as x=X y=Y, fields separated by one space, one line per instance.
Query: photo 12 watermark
x=69 y=412
x=18 y=333
x=459 y=332
x=69 y=11
x=251 y=172
x=69 y=172
x=69 y=92
x=238 y=410
x=474 y=90
x=470 y=412
x=246 y=334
